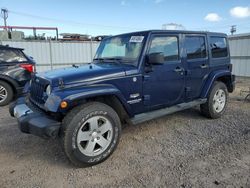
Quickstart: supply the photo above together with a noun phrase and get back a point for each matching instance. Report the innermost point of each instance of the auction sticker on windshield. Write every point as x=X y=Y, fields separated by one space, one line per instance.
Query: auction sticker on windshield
x=136 y=39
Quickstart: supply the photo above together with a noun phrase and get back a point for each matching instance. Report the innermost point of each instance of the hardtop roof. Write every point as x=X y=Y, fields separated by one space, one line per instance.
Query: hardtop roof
x=177 y=31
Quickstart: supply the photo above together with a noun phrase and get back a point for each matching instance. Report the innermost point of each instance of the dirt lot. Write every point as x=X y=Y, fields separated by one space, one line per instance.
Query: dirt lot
x=180 y=150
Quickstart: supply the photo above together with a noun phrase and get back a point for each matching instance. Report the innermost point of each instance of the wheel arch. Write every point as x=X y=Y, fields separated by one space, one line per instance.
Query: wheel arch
x=223 y=76
x=227 y=80
x=106 y=94
x=114 y=102
x=11 y=82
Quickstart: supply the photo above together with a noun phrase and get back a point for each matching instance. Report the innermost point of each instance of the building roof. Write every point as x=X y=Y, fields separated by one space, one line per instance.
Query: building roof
x=239 y=36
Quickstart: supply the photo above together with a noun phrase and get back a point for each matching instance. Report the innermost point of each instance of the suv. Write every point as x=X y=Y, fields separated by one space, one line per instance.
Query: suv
x=133 y=78
x=15 y=70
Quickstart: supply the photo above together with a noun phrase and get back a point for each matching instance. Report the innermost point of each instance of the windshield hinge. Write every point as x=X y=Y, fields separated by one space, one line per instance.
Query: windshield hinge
x=61 y=83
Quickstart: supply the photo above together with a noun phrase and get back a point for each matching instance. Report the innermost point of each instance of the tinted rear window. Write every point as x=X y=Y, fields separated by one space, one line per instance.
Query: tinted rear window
x=218 y=47
x=7 y=55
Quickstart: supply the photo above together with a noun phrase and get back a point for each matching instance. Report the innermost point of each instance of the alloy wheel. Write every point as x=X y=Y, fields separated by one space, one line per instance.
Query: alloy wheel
x=219 y=100
x=94 y=135
x=3 y=93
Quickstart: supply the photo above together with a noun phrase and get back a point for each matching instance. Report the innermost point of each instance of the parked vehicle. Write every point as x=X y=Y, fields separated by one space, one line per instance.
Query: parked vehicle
x=16 y=69
x=134 y=77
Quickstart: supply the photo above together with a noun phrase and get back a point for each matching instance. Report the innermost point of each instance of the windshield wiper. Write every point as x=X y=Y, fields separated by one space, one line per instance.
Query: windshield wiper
x=98 y=58
x=115 y=59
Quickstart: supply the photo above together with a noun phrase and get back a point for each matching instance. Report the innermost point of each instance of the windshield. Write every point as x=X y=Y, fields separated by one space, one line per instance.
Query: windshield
x=7 y=55
x=122 y=48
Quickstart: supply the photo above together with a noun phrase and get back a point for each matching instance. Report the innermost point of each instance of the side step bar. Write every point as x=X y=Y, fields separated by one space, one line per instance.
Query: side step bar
x=139 y=118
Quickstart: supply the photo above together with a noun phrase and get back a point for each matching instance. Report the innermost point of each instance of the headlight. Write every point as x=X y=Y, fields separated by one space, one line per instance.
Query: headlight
x=48 y=90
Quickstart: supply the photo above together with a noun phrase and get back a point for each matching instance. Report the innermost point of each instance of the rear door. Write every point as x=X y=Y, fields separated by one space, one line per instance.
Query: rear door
x=197 y=64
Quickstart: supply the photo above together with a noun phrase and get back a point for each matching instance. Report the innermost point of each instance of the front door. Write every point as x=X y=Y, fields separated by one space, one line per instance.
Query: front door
x=164 y=84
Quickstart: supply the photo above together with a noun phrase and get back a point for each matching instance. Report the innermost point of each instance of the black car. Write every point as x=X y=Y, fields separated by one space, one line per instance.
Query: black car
x=16 y=69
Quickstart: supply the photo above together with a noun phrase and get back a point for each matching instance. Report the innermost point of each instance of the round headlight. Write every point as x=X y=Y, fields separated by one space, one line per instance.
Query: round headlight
x=48 y=90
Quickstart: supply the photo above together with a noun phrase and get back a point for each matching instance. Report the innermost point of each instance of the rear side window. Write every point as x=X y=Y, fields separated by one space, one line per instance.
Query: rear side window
x=7 y=55
x=195 y=47
x=218 y=47
x=168 y=45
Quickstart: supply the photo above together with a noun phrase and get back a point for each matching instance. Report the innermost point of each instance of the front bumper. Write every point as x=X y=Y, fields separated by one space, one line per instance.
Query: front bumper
x=32 y=121
x=19 y=91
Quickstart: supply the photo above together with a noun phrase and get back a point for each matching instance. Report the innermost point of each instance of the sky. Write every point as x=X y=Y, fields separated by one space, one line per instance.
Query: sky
x=110 y=17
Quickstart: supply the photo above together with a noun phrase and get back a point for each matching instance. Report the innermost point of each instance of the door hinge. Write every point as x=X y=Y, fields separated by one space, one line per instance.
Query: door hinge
x=146 y=99
x=187 y=89
x=146 y=77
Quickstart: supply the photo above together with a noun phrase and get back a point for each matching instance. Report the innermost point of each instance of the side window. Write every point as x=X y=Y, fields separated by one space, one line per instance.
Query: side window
x=195 y=47
x=7 y=55
x=168 y=45
x=218 y=47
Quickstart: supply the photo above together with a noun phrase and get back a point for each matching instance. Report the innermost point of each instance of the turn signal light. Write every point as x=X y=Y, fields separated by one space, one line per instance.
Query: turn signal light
x=64 y=104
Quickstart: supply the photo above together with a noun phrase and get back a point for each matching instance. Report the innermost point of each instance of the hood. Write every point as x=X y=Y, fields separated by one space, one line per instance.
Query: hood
x=85 y=73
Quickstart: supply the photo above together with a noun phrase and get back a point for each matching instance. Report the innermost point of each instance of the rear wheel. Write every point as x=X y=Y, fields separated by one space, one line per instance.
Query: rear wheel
x=90 y=133
x=6 y=93
x=217 y=101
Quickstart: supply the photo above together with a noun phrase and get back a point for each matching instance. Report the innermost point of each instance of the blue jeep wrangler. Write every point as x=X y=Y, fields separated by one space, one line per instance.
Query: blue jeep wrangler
x=133 y=78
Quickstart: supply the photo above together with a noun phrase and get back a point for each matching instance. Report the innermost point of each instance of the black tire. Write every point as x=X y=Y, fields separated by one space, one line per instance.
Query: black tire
x=208 y=108
x=72 y=125
x=7 y=91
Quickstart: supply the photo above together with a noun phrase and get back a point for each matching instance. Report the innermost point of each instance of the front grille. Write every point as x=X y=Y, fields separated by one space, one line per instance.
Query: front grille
x=37 y=90
x=33 y=106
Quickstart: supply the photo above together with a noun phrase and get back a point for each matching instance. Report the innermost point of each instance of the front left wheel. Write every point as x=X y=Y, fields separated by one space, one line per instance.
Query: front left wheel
x=91 y=133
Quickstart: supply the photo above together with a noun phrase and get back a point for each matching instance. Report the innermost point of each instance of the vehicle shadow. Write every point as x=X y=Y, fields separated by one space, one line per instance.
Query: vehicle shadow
x=26 y=147
x=29 y=148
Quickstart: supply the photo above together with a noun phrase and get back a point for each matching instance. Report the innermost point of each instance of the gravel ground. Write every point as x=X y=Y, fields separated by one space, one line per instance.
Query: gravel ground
x=180 y=150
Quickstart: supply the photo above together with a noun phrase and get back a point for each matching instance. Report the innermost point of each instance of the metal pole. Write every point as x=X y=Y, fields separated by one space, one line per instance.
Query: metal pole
x=233 y=29
x=56 y=34
x=91 y=46
x=50 y=55
x=4 y=13
x=34 y=32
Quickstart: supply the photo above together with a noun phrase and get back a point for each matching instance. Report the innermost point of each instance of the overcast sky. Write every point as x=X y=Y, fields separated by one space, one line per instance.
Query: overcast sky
x=97 y=17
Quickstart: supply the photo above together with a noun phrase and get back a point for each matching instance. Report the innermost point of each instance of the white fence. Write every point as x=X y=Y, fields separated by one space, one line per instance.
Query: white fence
x=240 y=54
x=55 y=54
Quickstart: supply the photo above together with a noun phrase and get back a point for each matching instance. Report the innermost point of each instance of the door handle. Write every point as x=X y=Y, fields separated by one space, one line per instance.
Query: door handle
x=203 y=66
x=178 y=69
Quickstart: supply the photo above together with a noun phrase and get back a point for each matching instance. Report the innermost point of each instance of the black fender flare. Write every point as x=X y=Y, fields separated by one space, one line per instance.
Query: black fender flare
x=212 y=78
x=86 y=92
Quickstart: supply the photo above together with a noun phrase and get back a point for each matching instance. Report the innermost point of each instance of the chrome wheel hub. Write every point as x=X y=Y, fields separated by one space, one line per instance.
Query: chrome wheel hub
x=94 y=136
x=219 y=100
x=3 y=93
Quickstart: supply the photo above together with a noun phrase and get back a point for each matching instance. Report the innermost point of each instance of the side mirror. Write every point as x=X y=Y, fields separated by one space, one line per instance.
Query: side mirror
x=155 y=58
